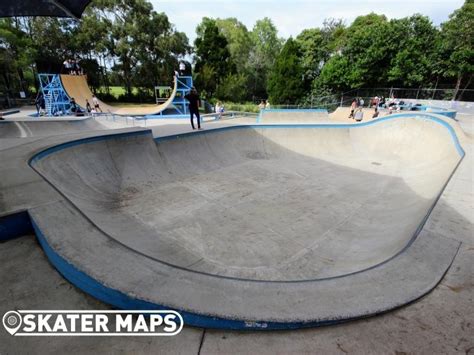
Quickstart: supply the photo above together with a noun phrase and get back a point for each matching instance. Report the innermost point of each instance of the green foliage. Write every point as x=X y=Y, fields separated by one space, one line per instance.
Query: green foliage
x=317 y=45
x=142 y=45
x=265 y=48
x=233 y=88
x=127 y=43
x=456 y=47
x=286 y=84
x=213 y=61
x=314 y=51
x=242 y=107
x=416 y=39
x=338 y=73
x=16 y=57
x=238 y=41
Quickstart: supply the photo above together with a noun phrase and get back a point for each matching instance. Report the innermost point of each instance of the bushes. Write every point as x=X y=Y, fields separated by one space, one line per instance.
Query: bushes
x=118 y=94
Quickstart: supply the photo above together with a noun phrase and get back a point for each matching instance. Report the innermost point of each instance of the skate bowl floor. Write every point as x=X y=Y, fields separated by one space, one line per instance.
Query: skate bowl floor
x=264 y=226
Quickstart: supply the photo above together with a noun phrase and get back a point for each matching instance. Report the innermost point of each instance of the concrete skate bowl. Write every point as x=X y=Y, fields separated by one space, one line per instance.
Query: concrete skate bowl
x=261 y=227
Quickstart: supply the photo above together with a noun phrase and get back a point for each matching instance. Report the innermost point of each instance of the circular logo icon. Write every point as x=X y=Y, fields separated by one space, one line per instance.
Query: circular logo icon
x=12 y=321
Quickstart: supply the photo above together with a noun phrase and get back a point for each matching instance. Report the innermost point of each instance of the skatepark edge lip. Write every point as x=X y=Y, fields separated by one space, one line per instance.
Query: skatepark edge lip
x=118 y=299
x=53 y=149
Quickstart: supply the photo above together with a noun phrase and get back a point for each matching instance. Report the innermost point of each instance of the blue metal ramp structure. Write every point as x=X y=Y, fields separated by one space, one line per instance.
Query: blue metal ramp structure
x=180 y=106
x=58 y=89
x=56 y=99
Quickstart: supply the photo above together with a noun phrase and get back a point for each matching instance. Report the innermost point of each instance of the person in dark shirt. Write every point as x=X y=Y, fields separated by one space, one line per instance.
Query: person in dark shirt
x=88 y=106
x=75 y=108
x=38 y=103
x=194 y=103
x=73 y=105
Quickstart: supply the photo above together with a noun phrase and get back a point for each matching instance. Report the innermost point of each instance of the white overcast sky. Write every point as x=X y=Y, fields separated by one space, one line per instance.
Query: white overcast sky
x=291 y=17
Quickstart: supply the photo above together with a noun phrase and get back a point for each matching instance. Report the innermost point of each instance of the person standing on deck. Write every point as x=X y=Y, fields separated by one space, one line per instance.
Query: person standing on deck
x=353 y=108
x=95 y=101
x=88 y=106
x=194 y=103
x=182 y=68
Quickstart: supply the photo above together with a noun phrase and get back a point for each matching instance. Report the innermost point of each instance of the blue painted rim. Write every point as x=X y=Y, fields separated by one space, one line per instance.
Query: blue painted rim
x=422 y=115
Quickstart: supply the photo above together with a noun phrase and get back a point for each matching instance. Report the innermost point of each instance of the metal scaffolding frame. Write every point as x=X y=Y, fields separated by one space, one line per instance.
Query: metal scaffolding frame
x=57 y=103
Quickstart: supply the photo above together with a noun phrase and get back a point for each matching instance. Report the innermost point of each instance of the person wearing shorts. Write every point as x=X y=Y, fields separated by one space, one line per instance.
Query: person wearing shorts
x=95 y=102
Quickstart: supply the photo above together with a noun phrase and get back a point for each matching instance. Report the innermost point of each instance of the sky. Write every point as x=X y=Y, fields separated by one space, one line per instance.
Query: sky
x=291 y=17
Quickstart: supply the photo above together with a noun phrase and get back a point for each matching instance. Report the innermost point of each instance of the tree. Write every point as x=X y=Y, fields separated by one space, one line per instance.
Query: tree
x=337 y=73
x=318 y=44
x=238 y=41
x=265 y=48
x=233 y=88
x=213 y=60
x=142 y=44
x=456 y=47
x=285 y=83
x=361 y=56
x=313 y=52
x=415 y=39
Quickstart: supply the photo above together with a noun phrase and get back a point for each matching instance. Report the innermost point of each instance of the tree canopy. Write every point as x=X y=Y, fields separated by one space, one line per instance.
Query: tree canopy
x=129 y=44
x=285 y=83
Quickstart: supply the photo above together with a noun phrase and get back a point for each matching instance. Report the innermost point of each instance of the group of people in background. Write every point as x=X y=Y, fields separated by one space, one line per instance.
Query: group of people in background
x=356 y=109
x=76 y=109
x=72 y=67
x=376 y=103
x=96 y=106
x=219 y=109
x=264 y=104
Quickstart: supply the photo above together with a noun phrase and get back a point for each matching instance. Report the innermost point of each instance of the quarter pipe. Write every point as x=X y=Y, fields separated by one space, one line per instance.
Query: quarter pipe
x=76 y=87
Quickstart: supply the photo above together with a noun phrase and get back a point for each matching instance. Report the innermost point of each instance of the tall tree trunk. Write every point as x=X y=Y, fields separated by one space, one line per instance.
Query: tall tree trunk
x=436 y=86
x=8 y=89
x=458 y=85
x=465 y=87
x=22 y=81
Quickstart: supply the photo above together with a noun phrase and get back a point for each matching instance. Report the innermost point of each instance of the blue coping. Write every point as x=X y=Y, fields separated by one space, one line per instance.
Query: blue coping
x=73 y=143
x=412 y=114
x=431 y=109
x=15 y=225
x=441 y=111
x=123 y=301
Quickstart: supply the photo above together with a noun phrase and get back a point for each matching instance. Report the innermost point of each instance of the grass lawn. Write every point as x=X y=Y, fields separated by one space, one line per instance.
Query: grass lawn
x=116 y=90
x=127 y=104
